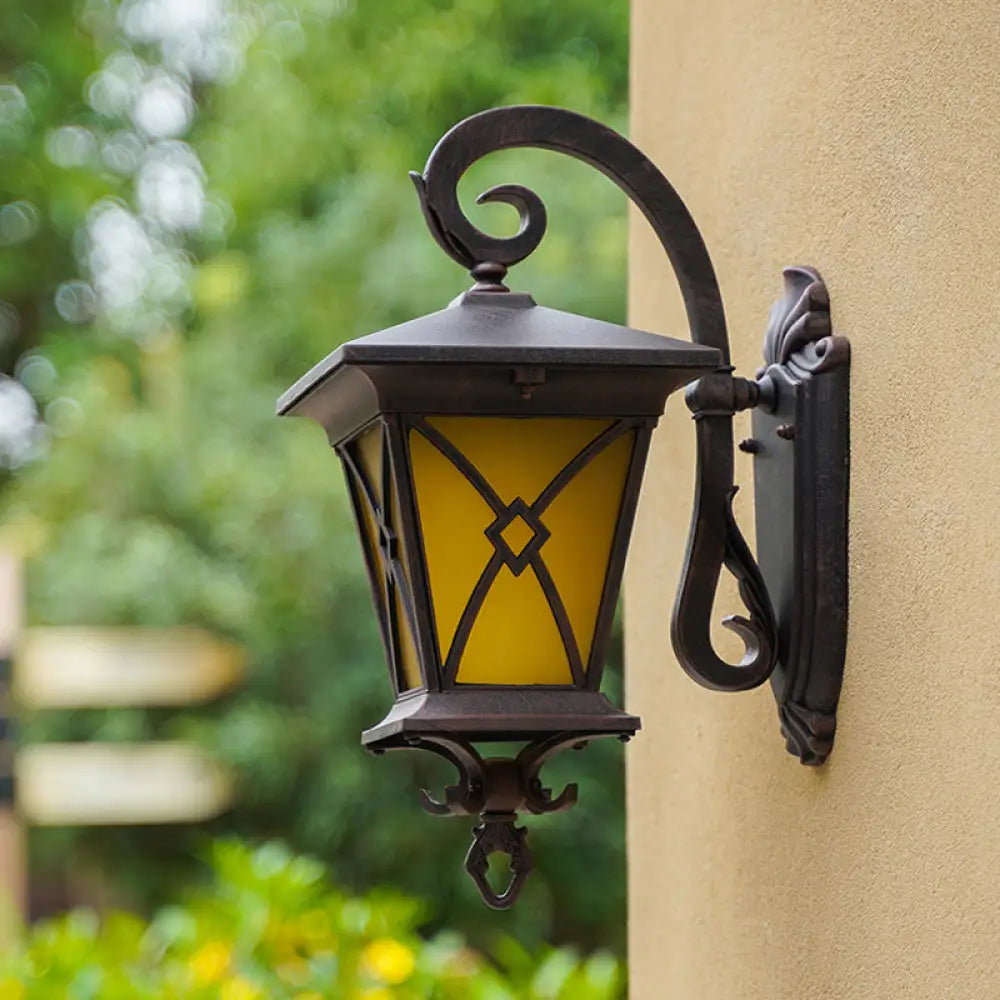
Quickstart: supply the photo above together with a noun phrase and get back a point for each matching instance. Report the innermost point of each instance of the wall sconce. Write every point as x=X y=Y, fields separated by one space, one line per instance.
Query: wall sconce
x=494 y=452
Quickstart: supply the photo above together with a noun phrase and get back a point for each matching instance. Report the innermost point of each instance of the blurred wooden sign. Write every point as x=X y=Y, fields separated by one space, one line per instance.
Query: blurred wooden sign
x=114 y=667
x=107 y=784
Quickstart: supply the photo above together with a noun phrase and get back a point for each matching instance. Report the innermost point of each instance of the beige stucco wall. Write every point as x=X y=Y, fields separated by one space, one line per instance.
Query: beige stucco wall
x=863 y=138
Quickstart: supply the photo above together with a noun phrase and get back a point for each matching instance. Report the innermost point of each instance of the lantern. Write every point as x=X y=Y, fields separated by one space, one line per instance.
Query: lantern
x=494 y=453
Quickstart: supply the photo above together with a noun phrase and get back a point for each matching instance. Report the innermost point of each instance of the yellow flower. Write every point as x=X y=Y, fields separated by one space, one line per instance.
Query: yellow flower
x=388 y=960
x=11 y=989
x=210 y=962
x=238 y=988
x=378 y=994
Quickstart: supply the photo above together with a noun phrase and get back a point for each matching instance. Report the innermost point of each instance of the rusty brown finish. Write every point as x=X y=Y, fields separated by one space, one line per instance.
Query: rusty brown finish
x=802 y=476
x=494 y=352
x=715 y=540
x=584 y=139
x=496 y=789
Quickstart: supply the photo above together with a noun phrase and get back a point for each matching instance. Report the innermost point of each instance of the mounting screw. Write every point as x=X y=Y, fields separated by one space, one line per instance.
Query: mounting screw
x=750 y=445
x=786 y=431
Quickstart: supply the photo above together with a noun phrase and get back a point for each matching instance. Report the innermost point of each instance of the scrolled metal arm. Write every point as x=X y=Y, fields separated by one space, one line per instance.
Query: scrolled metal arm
x=715 y=540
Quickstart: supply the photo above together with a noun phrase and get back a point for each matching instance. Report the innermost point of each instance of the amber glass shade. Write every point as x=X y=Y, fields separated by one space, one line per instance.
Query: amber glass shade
x=374 y=493
x=488 y=541
x=517 y=519
x=494 y=452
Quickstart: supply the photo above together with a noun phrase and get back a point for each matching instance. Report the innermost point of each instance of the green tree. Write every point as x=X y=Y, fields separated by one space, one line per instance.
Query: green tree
x=242 y=206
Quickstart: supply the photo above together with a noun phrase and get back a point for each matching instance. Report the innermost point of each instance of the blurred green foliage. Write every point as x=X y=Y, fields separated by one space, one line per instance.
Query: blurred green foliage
x=270 y=928
x=166 y=492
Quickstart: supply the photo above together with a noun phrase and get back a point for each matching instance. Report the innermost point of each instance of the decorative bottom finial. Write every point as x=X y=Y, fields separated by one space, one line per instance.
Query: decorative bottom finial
x=498 y=834
x=496 y=789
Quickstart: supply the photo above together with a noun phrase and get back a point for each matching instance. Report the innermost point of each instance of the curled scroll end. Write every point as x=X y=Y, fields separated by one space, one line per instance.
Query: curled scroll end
x=418 y=183
x=755 y=640
x=540 y=801
x=442 y=237
x=759 y=632
x=530 y=208
x=431 y=805
x=459 y=800
x=799 y=320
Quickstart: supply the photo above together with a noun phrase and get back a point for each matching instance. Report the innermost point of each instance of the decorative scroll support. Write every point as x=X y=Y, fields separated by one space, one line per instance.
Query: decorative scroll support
x=715 y=538
x=801 y=472
x=796 y=599
x=496 y=789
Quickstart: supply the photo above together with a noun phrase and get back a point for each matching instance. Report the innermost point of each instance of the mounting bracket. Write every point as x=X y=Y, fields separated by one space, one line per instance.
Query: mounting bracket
x=801 y=451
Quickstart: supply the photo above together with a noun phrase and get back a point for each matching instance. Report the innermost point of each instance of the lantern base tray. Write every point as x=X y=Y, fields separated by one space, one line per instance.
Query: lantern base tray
x=498 y=714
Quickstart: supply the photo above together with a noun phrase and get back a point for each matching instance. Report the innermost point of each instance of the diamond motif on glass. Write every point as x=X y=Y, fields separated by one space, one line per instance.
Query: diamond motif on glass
x=517 y=534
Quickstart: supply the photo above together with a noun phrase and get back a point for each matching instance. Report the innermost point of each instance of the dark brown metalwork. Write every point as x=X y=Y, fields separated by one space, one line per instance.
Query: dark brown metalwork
x=380 y=553
x=715 y=540
x=496 y=789
x=494 y=352
x=584 y=139
x=531 y=554
x=802 y=476
x=497 y=833
x=384 y=554
x=396 y=431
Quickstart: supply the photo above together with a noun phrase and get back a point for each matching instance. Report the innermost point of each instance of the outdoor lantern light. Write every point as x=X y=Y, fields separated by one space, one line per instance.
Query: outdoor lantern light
x=494 y=452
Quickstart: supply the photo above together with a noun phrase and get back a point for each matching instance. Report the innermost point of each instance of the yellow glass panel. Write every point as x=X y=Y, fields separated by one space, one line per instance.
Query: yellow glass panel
x=368 y=452
x=409 y=660
x=515 y=639
x=369 y=538
x=519 y=458
x=582 y=520
x=453 y=517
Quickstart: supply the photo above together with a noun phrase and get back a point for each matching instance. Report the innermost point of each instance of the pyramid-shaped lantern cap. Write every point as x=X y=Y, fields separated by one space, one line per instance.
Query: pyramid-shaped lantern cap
x=493 y=353
x=494 y=453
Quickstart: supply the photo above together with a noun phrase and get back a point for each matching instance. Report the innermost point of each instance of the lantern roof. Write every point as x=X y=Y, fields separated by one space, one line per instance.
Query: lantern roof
x=490 y=328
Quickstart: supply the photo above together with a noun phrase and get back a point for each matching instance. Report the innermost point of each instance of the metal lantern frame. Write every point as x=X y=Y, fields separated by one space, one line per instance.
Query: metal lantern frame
x=496 y=353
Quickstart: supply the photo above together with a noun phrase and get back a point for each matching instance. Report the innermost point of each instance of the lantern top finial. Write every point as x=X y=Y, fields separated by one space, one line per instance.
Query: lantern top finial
x=489 y=277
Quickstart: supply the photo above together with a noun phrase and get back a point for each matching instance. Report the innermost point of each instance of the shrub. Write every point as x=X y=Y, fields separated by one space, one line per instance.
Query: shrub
x=268 y=926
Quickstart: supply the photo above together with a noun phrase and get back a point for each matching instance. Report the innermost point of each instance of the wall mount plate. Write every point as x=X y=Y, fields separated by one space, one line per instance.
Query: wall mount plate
x=801 y=450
